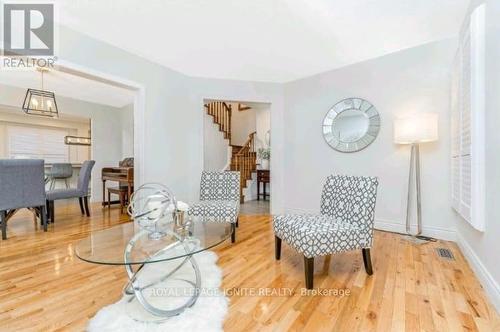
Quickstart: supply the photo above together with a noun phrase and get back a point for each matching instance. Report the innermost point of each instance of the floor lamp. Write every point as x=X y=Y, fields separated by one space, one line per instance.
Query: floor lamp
x=415 y=130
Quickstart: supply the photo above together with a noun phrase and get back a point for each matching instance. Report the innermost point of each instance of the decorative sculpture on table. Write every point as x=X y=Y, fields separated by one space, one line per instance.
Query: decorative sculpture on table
x=152 y=206
x=182 y=223
x=169 y=238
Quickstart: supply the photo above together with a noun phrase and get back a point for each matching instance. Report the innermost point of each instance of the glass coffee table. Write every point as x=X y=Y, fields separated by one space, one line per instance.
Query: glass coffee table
x=131 y=246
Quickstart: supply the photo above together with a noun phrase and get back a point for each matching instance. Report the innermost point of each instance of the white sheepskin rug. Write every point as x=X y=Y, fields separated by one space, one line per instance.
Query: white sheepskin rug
x=207 y=314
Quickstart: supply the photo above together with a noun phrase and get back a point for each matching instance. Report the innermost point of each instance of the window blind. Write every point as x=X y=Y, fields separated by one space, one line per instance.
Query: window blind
x=467 y=122
x=37 y=143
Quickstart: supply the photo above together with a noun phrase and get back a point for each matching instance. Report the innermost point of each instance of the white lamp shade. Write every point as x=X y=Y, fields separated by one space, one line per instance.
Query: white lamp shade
x=416 y=128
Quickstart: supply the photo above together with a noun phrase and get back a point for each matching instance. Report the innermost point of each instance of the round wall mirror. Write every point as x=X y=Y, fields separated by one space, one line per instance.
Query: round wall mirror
x=351 y=125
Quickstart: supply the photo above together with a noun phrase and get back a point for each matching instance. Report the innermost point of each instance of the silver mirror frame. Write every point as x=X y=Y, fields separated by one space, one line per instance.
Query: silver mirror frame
x=332 y=137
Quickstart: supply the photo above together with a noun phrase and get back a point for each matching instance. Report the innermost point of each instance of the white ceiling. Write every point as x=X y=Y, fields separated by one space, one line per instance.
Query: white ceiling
x=263 y=40
x=72 y=86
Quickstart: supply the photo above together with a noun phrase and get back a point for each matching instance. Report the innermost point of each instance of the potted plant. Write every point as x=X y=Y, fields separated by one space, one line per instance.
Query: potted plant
x=264 y=156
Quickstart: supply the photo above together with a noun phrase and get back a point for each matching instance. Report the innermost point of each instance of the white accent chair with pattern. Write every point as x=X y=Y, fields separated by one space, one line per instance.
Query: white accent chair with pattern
x=345 y=223
x=219 y=198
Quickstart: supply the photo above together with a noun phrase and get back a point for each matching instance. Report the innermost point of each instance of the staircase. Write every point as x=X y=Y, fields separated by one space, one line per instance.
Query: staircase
x=243 y=158
x=221 y=113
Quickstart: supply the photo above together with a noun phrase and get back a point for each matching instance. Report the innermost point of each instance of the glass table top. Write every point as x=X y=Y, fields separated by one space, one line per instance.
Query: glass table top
x=128 y=243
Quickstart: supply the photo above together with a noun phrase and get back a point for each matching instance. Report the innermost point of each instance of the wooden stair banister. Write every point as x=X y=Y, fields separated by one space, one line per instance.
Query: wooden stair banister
x=244 y=161
x=243 y=158
x=221 y=114
x=242 y=107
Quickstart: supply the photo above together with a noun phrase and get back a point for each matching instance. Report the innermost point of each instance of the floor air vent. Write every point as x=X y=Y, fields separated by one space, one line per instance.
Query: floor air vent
x=445 y=253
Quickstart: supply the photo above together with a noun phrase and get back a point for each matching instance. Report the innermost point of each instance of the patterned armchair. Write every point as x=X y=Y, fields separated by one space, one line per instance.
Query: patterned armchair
x=219 y=198
x=345 y=223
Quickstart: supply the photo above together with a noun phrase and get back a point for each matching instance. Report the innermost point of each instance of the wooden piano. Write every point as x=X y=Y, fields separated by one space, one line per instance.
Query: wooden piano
x=122 y=175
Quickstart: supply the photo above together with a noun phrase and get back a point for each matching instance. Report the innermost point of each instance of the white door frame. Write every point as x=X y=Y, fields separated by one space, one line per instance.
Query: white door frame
x=139 y=106
x=234 y=98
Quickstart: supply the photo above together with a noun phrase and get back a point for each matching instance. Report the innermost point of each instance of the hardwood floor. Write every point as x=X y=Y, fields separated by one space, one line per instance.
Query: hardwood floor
x=44 y=287
x=255 y=207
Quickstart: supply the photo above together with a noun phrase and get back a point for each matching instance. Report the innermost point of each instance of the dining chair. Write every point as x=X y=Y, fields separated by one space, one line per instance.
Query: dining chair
x=345 y=223
x=81 y=192
x=22 y=185
x=219 y=198
x=60 y=171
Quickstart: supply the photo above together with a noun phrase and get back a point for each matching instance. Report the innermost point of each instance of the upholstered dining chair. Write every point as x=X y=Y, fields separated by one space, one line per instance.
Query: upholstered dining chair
x=22 y=185
x=219 y=198
x=60 y=171
x=81 y=191
x=345 y=223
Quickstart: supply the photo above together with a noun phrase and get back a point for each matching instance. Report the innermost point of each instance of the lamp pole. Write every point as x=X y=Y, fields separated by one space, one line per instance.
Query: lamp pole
x=415 y=129
x=415 y=174
x=414 y=168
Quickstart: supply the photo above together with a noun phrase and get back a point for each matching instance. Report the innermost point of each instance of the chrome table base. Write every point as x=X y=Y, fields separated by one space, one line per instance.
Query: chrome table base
x=136 y=291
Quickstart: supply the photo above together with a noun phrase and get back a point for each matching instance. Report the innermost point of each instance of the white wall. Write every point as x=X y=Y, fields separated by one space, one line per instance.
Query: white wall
x=262 y=125
x=481 y=249
x=106 y=147
x=215 y=146
x=413 y=80
x=127 y=130
x=161 y=139
x=242 y=124
x=171 y=147
x=269 y=93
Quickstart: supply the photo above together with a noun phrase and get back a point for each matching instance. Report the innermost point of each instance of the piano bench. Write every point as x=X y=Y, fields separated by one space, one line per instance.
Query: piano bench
x=122 y=193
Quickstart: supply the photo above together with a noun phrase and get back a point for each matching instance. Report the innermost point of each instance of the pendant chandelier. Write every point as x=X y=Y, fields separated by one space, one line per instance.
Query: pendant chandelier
x=40 y=102
x=79 y=140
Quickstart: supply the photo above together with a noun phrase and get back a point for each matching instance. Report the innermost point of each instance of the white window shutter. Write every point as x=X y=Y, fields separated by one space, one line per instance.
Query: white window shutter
x=465 y=128
x=37 y=143
x=455 y=133
x=478 y=110
x=467 y=122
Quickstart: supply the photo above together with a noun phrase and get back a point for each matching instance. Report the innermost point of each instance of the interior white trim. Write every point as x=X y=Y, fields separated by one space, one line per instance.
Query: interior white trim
x=139 y=108
x=277 y=170
x=478 y=115
x=491 y=287
x=468 y=122
x=399 y=227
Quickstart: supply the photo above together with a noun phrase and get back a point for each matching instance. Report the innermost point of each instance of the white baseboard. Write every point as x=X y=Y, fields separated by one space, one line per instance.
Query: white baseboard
x=250 y=197
x=435 y=232
x=491 y=287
